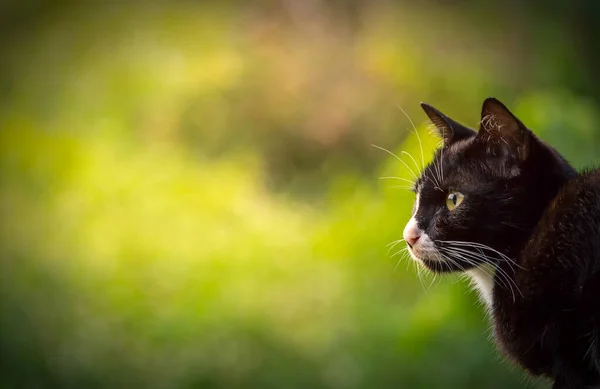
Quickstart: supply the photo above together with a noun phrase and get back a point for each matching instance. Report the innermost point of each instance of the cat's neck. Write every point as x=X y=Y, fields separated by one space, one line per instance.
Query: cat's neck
x=482 y=278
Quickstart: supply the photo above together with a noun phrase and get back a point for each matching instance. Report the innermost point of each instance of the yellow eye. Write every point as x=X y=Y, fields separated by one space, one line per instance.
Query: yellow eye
x=454 y=199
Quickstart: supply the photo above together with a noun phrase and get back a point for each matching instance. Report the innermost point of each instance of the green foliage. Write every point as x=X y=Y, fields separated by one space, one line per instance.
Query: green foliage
x=138 y=266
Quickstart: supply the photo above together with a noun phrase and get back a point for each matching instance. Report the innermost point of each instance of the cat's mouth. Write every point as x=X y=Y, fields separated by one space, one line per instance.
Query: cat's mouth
x=446 y=258
x=426 y=253
x=432 y=259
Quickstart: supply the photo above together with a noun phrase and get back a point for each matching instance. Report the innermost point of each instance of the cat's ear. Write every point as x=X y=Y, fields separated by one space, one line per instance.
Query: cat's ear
x=449 y=130
x=501 y=129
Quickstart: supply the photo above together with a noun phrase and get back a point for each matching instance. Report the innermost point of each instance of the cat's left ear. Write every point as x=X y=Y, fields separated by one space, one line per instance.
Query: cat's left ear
x=450 y=130
x=500 y=129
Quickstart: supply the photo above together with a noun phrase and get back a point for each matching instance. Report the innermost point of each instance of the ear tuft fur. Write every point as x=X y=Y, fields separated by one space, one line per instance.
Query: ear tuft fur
x=501 y=127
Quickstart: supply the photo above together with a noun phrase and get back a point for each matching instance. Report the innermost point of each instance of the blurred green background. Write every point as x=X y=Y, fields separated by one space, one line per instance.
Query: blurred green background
x=189 y=197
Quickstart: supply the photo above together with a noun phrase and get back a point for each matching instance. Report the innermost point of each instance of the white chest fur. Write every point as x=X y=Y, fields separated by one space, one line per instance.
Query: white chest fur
x=483 y=279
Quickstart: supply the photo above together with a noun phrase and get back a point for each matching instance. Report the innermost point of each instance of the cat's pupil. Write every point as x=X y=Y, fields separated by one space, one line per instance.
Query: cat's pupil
x=453 y=200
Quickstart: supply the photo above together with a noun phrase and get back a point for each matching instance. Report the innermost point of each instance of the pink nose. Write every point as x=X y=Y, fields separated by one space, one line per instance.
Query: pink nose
x=412 y=233
x=412 y=239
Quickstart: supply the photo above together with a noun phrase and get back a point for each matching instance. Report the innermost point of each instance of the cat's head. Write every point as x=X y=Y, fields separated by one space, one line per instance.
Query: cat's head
x=483 y=193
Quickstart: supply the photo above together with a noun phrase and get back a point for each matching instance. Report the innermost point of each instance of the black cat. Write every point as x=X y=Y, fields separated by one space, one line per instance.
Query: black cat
x=507 y=209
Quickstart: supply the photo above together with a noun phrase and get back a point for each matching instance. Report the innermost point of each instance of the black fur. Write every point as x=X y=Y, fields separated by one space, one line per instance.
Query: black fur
x=523 y=200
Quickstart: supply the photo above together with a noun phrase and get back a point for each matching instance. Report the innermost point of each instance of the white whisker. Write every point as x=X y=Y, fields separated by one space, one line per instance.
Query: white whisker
x=398 y=178
x=393 y=244
x=503 y=277
x=469 y=259
x=399 y=159
x=442 y=162
x=418 y=137
x=411 y=157
x=484 y=247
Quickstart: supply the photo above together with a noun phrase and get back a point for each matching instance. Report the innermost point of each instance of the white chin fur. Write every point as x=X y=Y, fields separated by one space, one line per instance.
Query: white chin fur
x=483 y=279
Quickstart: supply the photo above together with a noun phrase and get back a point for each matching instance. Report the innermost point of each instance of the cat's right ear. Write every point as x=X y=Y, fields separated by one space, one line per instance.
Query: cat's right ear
x=449 y=130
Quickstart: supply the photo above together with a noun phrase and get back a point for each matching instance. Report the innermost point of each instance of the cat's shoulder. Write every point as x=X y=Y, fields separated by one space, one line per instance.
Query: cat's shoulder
x=569 y=231
x=585 y=185
x=575 y=206
x=590 y=176
x=577 y=203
